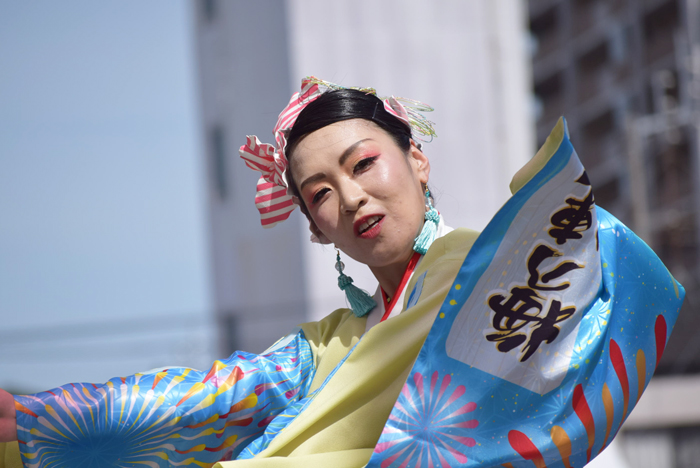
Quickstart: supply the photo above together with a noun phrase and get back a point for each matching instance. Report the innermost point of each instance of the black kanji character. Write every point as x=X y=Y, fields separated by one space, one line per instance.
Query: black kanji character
x=546 y=330
x=511 y=315
x=535 y=281
x=570 y=222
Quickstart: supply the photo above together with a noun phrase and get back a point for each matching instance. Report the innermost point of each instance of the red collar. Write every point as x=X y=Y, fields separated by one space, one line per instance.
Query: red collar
x=389 y=305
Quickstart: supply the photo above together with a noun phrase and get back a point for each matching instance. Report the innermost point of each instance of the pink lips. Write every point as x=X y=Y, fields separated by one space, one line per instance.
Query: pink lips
x=373 y=231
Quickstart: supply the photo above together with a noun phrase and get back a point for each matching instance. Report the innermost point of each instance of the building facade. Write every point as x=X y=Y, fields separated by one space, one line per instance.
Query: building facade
x=626 y=74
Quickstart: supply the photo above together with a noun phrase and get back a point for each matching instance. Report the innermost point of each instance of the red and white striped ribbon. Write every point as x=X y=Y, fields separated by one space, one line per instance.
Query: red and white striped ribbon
x=273 y=200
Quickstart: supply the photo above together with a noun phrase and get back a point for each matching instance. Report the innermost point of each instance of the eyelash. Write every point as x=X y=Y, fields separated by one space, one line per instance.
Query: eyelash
x=364 y=164
x=361 y=165
x=318 y=195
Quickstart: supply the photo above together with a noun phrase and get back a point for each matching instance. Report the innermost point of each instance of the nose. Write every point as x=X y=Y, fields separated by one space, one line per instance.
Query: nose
x=352 y=197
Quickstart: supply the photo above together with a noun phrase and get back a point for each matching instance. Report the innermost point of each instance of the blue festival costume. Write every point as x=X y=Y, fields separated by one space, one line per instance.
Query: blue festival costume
x=543 y=344
x=547 y=339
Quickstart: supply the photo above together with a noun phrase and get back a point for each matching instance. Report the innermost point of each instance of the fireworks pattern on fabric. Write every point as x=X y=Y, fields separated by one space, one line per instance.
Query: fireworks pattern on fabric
x=175 y=417
x=426 y=428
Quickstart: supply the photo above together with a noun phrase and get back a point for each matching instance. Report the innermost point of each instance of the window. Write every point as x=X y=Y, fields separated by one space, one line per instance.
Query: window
x=217 y=151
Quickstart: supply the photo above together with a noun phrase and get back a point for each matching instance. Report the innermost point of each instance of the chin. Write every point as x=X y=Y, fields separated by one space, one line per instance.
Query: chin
x=380 y=257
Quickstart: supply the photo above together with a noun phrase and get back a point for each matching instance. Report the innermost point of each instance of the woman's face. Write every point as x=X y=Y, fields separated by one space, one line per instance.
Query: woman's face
x=361 y=191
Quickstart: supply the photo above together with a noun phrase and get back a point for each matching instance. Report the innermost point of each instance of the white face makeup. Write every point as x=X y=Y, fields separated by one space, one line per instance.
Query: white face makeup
x=362 y=192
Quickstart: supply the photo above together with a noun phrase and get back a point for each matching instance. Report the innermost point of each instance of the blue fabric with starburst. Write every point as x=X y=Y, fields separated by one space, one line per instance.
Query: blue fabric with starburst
x=174 y=417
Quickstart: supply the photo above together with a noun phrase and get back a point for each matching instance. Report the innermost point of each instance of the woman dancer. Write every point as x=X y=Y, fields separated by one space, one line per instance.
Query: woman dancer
x=360 y=386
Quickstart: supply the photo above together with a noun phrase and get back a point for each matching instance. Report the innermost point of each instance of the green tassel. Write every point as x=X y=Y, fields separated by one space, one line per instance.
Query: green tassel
x=427 y=234
x=360 y=301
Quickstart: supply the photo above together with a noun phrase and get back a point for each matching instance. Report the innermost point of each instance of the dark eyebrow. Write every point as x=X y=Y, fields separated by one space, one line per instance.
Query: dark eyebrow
x=348 y=152
x=313 y=178
x=343 y=157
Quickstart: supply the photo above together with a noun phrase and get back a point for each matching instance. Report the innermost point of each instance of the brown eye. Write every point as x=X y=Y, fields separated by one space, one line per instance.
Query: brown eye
x=319 y=195
x=364 y=164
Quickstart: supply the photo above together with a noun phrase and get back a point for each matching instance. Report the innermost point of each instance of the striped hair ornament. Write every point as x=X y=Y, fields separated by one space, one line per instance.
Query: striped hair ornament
x=273 y=198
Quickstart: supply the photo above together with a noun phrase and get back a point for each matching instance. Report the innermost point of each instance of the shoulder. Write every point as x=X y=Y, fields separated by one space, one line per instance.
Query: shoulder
x=452 y=247
x=438 y=268
x=339 y=322
x=331 y=339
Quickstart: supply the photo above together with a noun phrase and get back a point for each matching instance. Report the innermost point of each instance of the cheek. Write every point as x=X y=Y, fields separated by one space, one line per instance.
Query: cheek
x=398 y=172
x=398 y=183
x=326 y=218
x=383 y=181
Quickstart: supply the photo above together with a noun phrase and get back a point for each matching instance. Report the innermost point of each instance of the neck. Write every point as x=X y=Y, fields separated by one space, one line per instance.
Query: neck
x=389 y=276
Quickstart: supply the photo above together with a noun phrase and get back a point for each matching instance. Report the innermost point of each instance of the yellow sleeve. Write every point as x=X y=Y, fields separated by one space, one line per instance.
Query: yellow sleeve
x=9 y=455
x=545 y=153
x=331 y=339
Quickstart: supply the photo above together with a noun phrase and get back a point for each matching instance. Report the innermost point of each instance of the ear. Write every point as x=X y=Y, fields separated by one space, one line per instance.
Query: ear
x=317 y=237
x=419 y=162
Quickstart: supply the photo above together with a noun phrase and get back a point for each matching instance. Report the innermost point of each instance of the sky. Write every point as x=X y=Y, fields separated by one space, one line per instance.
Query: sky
x=102 y=221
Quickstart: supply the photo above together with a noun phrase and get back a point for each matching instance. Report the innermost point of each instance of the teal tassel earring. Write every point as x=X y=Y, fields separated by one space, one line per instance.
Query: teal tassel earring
x=360 y=302
x=427 y=234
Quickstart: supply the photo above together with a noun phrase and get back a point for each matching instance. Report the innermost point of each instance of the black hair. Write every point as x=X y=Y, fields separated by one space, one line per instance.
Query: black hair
x=344 y=104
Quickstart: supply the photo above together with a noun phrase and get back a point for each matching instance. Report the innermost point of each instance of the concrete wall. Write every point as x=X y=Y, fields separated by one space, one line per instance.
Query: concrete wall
x=244 y=83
